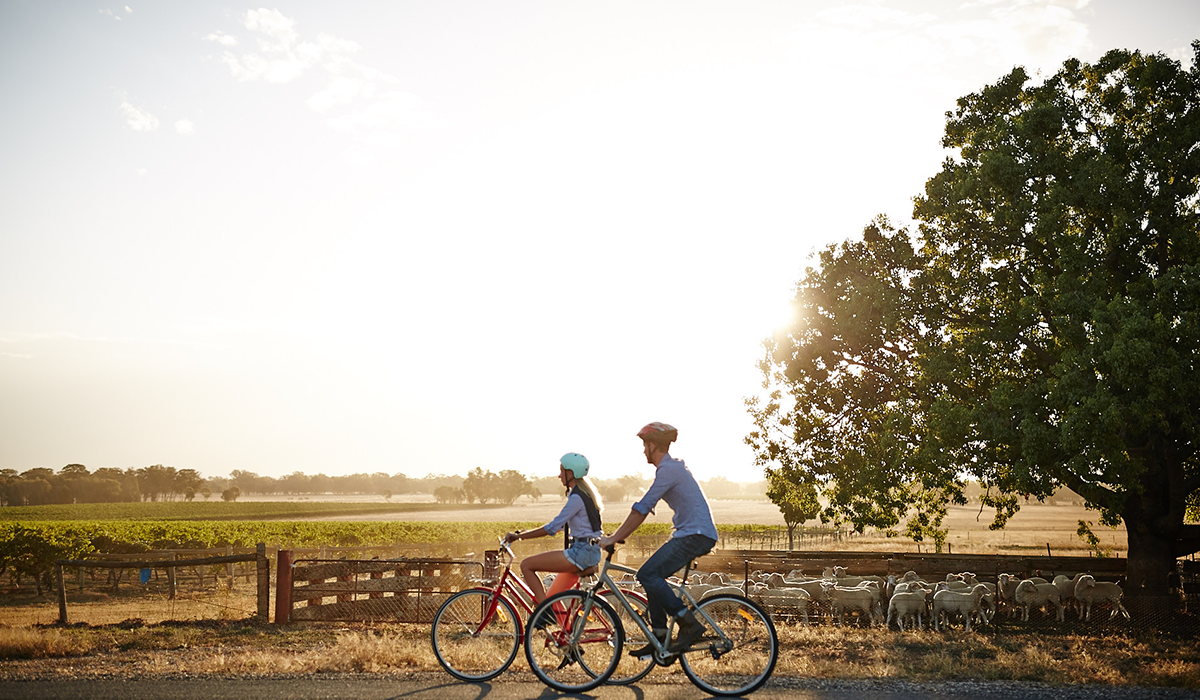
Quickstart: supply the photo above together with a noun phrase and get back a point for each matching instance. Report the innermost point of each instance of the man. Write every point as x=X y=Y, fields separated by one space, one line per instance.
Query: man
x=694 y=535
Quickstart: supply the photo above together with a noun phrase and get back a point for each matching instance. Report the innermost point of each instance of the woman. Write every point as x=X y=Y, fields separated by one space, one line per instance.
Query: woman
x=581 y=517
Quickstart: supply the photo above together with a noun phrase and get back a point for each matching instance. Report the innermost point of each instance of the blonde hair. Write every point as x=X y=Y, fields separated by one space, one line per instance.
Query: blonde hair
x=585 y=484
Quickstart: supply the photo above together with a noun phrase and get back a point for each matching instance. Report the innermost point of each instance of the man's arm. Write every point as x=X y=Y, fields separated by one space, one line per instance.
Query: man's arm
x=633 y=522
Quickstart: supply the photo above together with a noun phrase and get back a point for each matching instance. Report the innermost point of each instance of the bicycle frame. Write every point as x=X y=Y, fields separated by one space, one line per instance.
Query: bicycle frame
x=603 y=579
x=519 y=594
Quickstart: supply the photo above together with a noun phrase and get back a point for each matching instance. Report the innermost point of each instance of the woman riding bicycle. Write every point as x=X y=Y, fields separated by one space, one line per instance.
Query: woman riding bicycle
x=581 y=518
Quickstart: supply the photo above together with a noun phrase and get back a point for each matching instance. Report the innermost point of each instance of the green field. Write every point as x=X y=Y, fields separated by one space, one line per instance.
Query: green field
x=221 y=510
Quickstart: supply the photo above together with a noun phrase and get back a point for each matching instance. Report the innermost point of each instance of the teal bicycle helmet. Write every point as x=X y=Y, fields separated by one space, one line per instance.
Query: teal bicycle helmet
x=575 y=463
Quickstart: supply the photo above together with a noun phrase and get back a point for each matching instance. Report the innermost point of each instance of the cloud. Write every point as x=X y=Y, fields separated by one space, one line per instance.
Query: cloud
x=112 y=14
x=222 y=38
x=137 y=119
x=282 y=58
x=360 y=101
x=185 y=127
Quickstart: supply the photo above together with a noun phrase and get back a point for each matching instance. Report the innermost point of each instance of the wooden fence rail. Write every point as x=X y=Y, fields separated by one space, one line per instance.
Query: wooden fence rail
x=259 y=557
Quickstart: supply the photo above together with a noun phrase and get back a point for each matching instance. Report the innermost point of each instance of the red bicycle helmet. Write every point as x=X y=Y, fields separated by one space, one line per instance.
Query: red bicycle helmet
x=661 y=433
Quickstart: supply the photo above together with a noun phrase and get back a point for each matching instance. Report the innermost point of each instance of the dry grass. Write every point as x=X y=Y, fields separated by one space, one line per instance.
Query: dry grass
x=244 y=648
x=1139 y=659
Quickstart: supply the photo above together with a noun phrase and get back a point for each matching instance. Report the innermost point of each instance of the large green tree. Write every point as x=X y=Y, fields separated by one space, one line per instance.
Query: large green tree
x=1040 y=328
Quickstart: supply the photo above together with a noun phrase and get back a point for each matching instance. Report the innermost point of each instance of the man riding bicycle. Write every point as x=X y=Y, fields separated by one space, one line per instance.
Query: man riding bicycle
x=694 y=535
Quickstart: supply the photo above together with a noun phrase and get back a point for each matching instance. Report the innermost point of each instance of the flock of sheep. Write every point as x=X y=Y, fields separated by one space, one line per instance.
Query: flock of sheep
x=960 y=598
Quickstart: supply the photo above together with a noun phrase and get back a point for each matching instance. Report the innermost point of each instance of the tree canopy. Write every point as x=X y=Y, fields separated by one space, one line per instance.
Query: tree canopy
x=1040 y=328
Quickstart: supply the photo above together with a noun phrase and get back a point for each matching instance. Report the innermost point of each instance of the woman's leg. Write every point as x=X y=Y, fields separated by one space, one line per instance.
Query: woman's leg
x=546 y=561
x=564 y=581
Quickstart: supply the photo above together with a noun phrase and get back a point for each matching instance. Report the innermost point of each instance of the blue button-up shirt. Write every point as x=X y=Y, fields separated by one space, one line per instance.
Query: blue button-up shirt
x=674 y=483
x=575 y=513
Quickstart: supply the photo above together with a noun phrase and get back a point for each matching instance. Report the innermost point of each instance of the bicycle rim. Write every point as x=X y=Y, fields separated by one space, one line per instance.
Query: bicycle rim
x=630 y=670
x=567 y=666
x=465 y=646
x=749 y=663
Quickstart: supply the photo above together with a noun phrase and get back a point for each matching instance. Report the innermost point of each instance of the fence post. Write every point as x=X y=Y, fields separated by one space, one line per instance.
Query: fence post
x=229 y=566
x=263 y=567
x=62 y=594
x=283 y=586
x=171 y=579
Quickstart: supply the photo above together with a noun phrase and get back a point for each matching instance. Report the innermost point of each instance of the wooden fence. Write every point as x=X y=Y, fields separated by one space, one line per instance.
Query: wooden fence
x=259 y=556
x=406 y=590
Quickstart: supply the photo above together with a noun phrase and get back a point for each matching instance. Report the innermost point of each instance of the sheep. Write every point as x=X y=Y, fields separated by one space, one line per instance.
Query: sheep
x=785 y=601
x=1006 y=586
x=1029 y=594
x=1089 y=591
x=863 y=599
x=720 y=590
x=1066 y=588
x=717 y=578
x=775 y=581
x=906 y=604
x=965 y=603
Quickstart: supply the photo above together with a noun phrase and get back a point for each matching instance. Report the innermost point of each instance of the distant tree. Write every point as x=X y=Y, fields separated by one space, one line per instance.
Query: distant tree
x=449 y=494
x=720 y=487
x=156 y=482
x=74 y=471
x=510 y=485
x=187 y=480
x=479 y=485
x=231 y=494
x=206 y=492
x=797 y=502
x=387 y=495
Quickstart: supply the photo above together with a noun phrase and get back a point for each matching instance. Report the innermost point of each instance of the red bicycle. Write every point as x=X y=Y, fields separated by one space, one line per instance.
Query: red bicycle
x=476 y=633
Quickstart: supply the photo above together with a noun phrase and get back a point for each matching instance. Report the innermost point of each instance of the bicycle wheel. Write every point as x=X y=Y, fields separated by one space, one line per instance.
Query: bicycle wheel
x=565 y=657
x=630 y=670
x=742 y=663
x=469 y=647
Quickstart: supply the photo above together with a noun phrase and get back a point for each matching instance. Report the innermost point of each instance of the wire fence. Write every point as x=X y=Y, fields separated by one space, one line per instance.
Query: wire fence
x=97 y=595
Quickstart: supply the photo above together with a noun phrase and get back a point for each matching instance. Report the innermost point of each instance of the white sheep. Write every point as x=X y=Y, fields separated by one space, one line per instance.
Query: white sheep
x=904 y=604
x=720 y=590
x=1029 y=594
x=1089 y=591
x=965 y=603
x=785 y=601
x=863 y=599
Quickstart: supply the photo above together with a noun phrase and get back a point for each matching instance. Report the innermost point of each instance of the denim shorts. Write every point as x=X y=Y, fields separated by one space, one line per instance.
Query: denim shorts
x=582 y=554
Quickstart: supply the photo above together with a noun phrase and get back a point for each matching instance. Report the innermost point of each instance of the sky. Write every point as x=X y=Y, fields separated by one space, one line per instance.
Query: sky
x=429 y=236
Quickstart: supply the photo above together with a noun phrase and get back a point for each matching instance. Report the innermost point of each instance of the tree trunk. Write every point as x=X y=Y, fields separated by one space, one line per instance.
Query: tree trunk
x=1151 y=561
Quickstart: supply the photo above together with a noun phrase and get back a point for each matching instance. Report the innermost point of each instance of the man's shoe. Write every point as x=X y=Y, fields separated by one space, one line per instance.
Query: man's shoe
x=569 y=658
x=690 y=631
x=645 y=652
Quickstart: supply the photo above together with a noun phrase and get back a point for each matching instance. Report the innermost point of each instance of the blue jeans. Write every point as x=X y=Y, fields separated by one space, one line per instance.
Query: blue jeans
x=671 y=557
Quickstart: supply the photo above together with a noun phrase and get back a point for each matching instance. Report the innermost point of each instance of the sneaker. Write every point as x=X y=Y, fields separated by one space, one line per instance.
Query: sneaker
x=690 y=631
x=543 y=621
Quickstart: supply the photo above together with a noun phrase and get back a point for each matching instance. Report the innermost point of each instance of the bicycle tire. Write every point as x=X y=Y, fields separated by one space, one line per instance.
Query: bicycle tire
x=573 y=667
x=748 y=663
x=467 y=648
x=630 y=670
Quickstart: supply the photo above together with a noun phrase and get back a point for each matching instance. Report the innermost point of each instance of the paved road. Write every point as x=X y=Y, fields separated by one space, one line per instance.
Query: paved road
x=374 y=688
